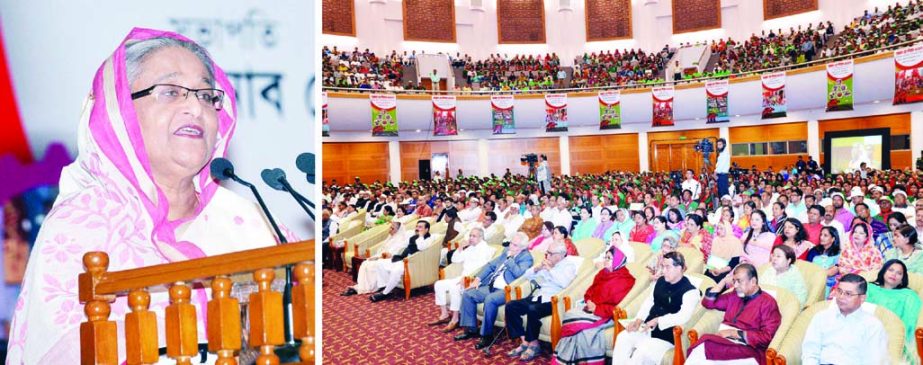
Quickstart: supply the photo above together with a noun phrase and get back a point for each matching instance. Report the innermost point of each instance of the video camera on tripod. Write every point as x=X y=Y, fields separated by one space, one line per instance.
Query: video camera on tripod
x=531 y=160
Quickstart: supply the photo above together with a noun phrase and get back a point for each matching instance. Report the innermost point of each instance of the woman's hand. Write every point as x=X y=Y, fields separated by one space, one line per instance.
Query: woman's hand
x=590 y=306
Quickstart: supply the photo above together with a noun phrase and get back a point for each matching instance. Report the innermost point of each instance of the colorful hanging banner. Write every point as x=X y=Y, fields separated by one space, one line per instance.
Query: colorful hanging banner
x=774 y=95
x=501 y=112
x=716 y=101
x=384 y=115
x=839 y=85
x=444 y=123
x=663 y=106
x=323 y=115
x=556 y=112
x=610 y=109
x=908 y=81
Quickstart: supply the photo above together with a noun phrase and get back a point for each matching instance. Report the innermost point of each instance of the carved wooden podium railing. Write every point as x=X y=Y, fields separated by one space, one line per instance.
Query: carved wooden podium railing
x=98 y=287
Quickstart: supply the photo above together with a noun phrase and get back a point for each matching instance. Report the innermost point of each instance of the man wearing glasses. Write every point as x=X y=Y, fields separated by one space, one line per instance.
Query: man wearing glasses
x=844 y=334
x=751 y=318
x=549 y=278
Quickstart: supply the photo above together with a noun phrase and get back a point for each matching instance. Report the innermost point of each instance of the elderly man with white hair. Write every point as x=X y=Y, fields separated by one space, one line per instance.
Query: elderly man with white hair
x=472 y=255
x=471 y=212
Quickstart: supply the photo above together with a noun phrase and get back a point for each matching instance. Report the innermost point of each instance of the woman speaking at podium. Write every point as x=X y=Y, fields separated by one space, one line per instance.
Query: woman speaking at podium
x=160 y=110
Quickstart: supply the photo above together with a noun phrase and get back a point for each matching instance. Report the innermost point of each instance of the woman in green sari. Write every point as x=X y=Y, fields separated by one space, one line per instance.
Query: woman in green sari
x=890 y=291
x=585 y=226
x=906 y=249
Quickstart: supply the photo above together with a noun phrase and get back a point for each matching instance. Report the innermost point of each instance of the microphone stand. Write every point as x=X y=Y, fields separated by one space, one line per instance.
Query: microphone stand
x=298 y=197
x=289 y=351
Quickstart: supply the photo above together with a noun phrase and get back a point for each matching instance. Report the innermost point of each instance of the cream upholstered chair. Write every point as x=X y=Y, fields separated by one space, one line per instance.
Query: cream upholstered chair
x=815 y=278
x=438 y=228
x=360 y=245
x=789 y=349
x=642 y=250
x=497 y=237
x=422 y=268
x=785 y=300
x=695 y=262
x=672 y=357
x=589 y=247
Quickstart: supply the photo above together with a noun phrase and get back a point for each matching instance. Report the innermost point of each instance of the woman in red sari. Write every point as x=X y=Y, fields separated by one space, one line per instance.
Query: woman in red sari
x=641 y=232
x=581 y=340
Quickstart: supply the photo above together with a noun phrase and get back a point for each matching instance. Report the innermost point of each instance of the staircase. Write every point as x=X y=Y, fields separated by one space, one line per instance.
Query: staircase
x=712 y=62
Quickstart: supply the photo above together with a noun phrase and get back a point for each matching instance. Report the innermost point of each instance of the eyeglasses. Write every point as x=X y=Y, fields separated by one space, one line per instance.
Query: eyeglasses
x=845 y=294
x=555 y=253
x=170 y=94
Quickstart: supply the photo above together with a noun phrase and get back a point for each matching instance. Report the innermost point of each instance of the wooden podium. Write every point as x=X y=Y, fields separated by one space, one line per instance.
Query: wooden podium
x=428 y=84
x=99 y=287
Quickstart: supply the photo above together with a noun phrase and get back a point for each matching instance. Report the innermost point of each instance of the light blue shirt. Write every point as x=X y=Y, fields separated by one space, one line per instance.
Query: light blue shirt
x=553 y=281
x=833 y=338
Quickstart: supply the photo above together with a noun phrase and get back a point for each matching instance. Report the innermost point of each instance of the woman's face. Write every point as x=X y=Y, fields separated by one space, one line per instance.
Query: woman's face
x=789 y=230
x=776 y=210
x=179 y=137
x=691 y=226
x=893 y=224
x=894 y=276
x=756 y=221
x=615 y=240
x=748 y=210
x=900 y=240
x=673 y=216
x=604 y=216
x=779 y=261
x=584 y=214
x=557 y=235
x=726 y=215
x=639 y=219
x=859 y=236
x=825 y=238
x=659 y=226
x=546 y=232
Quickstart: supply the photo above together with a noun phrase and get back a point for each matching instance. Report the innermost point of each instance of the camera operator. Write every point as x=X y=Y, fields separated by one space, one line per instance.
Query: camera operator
x=543 y=174
x=722 y=166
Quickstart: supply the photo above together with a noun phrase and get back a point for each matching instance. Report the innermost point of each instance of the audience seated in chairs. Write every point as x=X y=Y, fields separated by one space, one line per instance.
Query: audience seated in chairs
x=488 y=288
x=472 y=255
x=844 y=333
x=391 y=273
x=548 y=278
x=751 y=318
x=672 y=302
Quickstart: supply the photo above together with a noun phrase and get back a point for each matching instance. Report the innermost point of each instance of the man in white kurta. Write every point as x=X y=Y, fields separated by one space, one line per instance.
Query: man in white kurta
x=366 y=281
x=472 y=212
x=391 y=271
x=472 y=255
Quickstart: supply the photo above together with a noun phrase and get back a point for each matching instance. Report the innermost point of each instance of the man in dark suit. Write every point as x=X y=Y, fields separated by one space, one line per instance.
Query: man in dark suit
x=488 y=287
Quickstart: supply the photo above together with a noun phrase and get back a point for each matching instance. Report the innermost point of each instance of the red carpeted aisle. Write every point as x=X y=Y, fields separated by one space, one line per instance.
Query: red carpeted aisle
x=357 y=331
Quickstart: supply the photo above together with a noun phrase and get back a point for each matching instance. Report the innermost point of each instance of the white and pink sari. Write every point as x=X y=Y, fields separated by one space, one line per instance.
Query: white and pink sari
x=108 y=202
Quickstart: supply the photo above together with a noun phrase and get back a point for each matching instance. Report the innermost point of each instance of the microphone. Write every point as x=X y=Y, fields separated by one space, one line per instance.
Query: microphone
x=306 y=164
x=275 y=178
x=222 y=169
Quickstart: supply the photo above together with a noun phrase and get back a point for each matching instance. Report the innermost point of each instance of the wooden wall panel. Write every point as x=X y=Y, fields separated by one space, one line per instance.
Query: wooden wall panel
x=771 y=132
x=779 y=8
x=344 y=161
x=696 y=15
x=521 y=21
x=673 y=150
x=339 y=17
x=429 y=20
x=899 y=124
x=608 y=19
x=601 y=153
x=506 y=153
x=462 y=155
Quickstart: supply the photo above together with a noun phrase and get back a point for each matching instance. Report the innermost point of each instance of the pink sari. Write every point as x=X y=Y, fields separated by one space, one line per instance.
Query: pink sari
x=109 y=202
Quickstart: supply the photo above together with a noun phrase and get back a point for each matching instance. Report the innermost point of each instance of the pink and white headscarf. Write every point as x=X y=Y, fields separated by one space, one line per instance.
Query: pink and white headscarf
x=109 y=202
